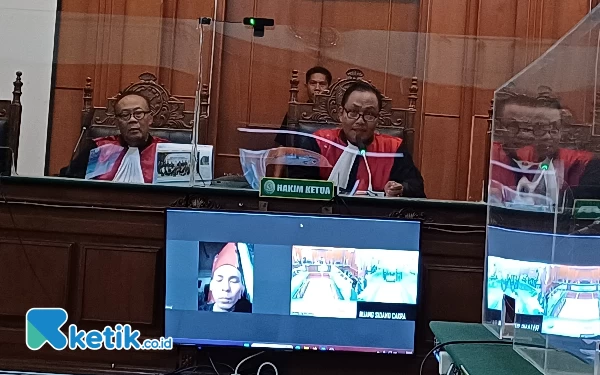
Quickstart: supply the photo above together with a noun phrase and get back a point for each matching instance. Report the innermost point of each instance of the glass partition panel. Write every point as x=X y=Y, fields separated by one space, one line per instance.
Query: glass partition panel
x=235 y=88
x=279 y=111
x=544 y=206
x=125 y=106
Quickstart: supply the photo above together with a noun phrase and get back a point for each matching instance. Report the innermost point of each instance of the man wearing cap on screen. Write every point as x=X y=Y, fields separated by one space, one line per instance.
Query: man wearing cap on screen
x=227 y=289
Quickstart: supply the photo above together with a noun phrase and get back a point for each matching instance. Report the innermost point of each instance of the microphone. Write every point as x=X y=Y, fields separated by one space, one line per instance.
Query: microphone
x=362 y=149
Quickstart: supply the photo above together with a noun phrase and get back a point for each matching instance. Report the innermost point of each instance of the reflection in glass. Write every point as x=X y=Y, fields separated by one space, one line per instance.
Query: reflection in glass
x=544 y=173
x=531 y=167
x=365 y=142
x=256 y=163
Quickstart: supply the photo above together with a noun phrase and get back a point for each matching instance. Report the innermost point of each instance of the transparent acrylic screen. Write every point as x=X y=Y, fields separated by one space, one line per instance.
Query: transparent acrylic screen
x=248 y=92
x=441 y=116
x=543 y=233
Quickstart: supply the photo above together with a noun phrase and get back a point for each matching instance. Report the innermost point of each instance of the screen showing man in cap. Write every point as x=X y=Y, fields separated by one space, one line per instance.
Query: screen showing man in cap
x=227 y=291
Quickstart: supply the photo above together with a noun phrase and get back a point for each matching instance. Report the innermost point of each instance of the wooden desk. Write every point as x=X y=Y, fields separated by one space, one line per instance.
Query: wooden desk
x=97 y=250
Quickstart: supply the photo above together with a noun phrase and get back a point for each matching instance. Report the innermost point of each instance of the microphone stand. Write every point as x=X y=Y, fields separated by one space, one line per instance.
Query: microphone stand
x=87 y=121
x=81 y=134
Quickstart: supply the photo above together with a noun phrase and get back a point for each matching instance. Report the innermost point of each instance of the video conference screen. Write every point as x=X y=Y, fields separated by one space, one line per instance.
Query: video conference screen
x=291 y=282
x=555 y=281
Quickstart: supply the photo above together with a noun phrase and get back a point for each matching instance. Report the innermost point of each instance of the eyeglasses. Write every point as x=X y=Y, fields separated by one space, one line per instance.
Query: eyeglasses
x=138 y=115
x=354 y=115
x=543 y=132
x=539 y=129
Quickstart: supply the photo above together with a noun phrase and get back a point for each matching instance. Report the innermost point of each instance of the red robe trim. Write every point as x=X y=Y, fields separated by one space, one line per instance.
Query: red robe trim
x=574 y=162
x=147 y=157
x=381 y=168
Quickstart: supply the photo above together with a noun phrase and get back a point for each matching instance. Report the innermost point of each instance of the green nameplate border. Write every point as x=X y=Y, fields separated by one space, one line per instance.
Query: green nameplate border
x=271 y=187
x=586 y=209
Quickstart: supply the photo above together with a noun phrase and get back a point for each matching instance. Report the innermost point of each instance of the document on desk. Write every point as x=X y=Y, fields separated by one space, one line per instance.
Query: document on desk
x=174 y=163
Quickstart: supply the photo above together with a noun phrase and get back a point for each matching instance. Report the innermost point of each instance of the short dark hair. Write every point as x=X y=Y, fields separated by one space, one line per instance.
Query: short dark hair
x=123 y=95
x=544 y=98
x=318 y=70
x=362 y=87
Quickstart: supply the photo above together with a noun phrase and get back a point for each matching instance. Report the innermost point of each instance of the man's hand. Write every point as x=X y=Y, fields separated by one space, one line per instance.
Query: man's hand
x=393 y=189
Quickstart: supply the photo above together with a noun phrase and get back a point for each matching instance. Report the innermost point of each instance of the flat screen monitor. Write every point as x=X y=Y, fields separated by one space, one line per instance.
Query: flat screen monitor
x=291 y=282
x=555 y=280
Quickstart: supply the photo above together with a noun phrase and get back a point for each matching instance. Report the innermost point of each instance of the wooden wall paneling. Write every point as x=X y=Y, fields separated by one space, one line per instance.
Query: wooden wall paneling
x=540 y=23
x=168 y=41
x=141 y=46
x=454 y=260
x=118 y=235
x=172 y=29
x=98 y=229
x=114 y=42
x=231 y=76
x=180 y=46
x=33 y=274
x=119 y=284
x=444 y=63
x=402 y=55
x=75 y=61
x=561 y=16
x=423 y=41
x=364 y=36
x=576 y=90
x=478 y=167
x=439 y=157
x=493 y=64
x=521 y=34
x=233 y=110
x=449 y=284
x=468 y=94
x=495 y=50
x=84 y=265
x=292 y=44
x=499 y=40
x=209 y=135
x=111 y=23
x=77 y=287
x=66 y=120
x=458 y=72
x=401 y=51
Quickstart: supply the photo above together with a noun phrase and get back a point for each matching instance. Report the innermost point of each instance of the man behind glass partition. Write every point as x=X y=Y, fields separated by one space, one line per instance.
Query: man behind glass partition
x=356 y=151
x=318 y=79
x=534 y=163
x=127 y=157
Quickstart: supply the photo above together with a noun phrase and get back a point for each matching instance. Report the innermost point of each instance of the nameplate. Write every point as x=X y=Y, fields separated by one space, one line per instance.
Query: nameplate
x=586 y=209
x=271 y=187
